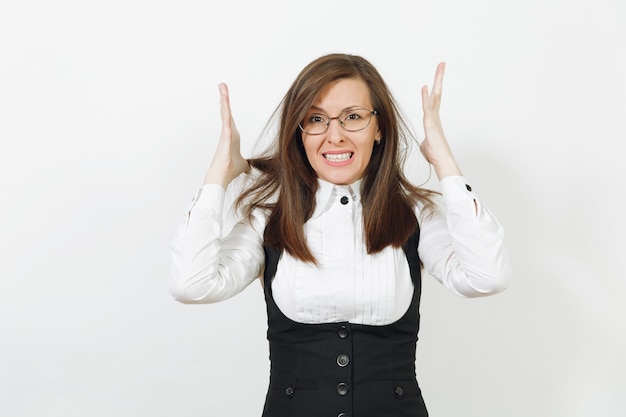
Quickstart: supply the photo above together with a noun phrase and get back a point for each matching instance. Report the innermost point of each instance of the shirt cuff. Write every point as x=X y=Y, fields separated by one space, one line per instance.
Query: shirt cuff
x=455 y=188
x=210 y=197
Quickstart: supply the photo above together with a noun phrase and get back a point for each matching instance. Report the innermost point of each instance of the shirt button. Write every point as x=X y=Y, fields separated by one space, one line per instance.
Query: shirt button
x=467 y=186
x=342 y=389
x=344 y=200
x=343 y=332
x=343 y=360
x=399 y=391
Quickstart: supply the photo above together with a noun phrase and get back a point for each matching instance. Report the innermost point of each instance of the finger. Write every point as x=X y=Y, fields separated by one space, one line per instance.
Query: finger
x=229 y=129
x=438 y=83
x=425 y=97
x=223 y=89
x=224 y=105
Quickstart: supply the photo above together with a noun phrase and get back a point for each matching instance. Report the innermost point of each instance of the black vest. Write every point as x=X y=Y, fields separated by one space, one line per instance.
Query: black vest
x=343 y=369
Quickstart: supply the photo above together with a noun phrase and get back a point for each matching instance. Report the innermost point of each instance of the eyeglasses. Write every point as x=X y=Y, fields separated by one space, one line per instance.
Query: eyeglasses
x=351 y=120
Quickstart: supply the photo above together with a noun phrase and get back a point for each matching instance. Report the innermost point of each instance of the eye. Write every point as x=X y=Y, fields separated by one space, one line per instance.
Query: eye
x=353 y=116
x=316 y=118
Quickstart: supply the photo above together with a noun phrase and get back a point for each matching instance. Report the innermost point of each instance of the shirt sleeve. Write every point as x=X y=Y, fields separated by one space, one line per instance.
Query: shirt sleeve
x=462 y=244
x=206 y=268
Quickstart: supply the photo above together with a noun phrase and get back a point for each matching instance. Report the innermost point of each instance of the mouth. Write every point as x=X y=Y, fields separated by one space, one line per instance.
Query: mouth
x=338 y=157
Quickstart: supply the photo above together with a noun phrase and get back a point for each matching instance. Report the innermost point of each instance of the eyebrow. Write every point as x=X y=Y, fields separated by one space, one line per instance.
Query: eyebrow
x=345 y=109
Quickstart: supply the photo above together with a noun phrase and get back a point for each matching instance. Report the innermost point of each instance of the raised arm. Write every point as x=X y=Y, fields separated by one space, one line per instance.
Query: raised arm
x=205 y=267
x=462 y=245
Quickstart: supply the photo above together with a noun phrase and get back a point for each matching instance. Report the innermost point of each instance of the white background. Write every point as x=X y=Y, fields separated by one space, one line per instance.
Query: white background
x=108 y=119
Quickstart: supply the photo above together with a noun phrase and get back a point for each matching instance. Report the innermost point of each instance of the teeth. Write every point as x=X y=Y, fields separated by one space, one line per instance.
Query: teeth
x=338 y=157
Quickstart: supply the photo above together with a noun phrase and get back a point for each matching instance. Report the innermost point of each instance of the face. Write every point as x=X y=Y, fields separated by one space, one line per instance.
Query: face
x=339 y=156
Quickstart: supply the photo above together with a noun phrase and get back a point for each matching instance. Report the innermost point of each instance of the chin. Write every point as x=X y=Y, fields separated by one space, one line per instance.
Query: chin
x=340 y=179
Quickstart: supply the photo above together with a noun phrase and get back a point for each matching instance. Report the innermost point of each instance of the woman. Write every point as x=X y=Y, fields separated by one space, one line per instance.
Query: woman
x=338 y=237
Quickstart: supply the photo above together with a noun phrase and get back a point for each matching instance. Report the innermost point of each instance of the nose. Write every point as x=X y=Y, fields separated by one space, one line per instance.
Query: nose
x=335 y=131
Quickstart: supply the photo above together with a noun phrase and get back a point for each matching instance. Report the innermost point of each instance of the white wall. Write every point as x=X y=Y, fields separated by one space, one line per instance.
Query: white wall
x=108 y=118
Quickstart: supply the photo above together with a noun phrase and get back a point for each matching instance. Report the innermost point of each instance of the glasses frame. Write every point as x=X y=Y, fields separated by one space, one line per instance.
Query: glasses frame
x=338 y=118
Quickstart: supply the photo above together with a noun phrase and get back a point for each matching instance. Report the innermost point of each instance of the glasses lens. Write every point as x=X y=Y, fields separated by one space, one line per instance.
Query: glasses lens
x=355 y=120
x=315 y=124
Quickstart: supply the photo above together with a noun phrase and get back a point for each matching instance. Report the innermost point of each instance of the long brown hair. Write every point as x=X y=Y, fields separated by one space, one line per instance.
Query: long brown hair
x=285 y=183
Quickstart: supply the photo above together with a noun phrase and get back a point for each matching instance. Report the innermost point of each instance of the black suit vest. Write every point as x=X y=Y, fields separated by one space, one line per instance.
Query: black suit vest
x=343 y=369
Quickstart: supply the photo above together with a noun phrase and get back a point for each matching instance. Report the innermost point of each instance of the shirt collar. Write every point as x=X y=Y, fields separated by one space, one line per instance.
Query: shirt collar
x=328 y=192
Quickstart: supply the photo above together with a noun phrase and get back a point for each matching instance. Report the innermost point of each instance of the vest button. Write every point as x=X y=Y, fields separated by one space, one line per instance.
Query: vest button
x=343 y=360
x=342 y=415
x=342 y=389
x=399 y=391
x=344 y=200
x=343 y=332
x=289 y=391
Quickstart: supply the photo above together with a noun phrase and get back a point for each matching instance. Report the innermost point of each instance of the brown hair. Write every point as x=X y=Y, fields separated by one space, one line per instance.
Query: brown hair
x=286 y=183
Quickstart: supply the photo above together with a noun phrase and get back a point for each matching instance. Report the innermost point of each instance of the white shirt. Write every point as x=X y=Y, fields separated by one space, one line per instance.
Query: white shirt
x=461 y=245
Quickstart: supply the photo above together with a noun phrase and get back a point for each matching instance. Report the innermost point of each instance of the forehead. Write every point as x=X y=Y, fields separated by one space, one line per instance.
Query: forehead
x=342 y=94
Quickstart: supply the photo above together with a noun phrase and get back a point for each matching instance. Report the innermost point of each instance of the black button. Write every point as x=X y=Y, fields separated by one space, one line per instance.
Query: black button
x=289 y=391
x=344 y=200
x=468 y=187
x=343 y=360
x=342 y=389
x=342 y=415
x=399 y=391
x=343 y=332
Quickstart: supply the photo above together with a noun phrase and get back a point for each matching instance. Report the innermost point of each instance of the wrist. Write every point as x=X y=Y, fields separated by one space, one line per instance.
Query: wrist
x=214 y=177
x=446 y=167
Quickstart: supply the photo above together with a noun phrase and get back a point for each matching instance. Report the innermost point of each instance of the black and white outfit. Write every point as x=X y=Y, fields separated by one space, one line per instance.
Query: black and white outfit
x=342 y=333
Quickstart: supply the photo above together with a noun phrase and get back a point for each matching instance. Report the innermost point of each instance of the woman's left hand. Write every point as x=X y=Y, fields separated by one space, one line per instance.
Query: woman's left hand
x=435 y=147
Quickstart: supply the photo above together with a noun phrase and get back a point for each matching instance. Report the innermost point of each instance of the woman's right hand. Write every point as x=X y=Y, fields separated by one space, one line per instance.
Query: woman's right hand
x=227 y=161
